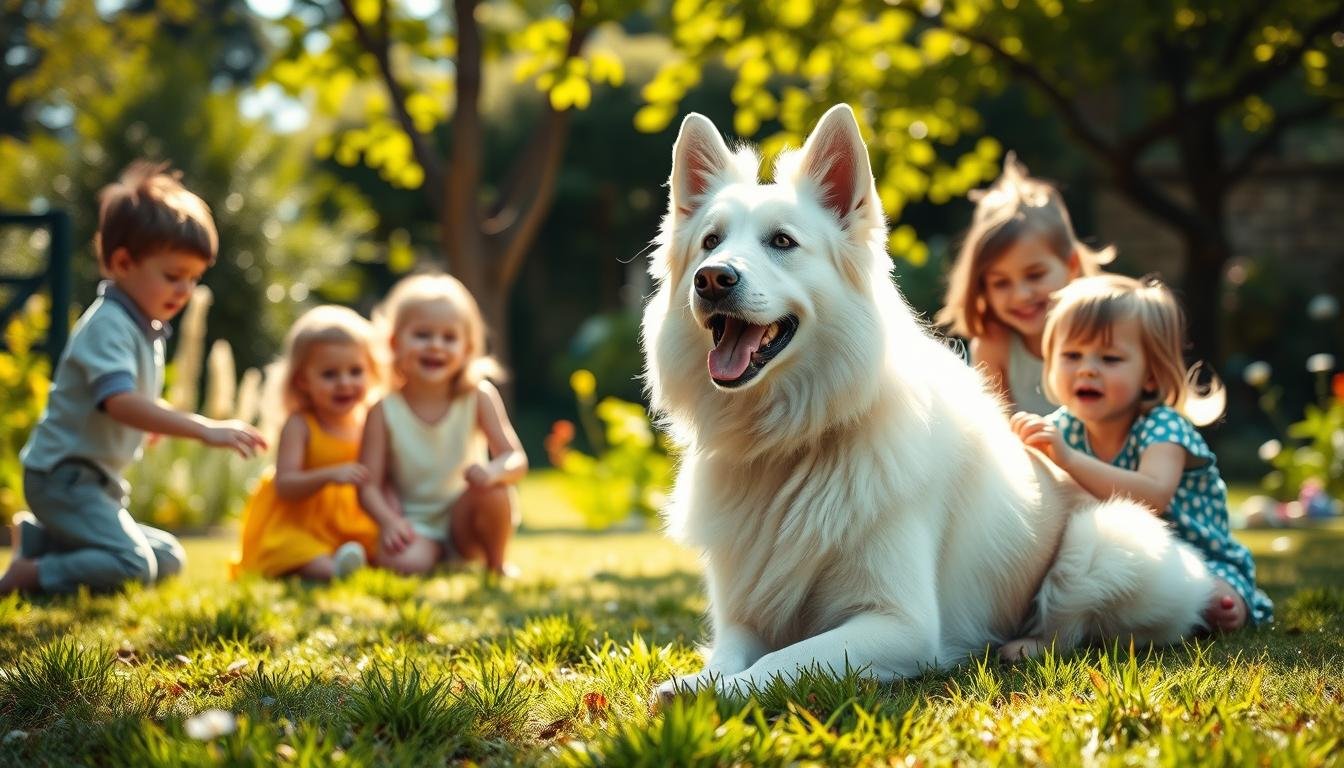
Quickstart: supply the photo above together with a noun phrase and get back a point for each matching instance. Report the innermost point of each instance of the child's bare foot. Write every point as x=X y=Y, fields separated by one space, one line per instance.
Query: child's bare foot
x=1226 y=610
x=21 y=576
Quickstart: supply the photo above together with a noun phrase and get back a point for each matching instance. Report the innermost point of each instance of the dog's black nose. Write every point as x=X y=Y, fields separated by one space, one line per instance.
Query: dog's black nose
x=714 y=282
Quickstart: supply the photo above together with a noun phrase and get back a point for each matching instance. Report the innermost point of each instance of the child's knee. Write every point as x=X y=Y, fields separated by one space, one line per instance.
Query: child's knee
x=138 y=564
x=494 y=508
x=497 y=497
x=172 y=560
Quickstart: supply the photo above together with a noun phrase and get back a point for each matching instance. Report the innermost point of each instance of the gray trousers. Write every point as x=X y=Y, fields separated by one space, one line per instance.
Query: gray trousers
x=85 y=536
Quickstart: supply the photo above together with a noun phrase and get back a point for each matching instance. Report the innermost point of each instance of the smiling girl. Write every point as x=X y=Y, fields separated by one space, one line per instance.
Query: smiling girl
x=441 y=439
x=1020 y=249
x=306 y=519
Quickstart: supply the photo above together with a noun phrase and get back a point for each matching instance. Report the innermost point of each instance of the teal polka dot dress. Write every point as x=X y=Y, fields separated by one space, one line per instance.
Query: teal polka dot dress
x=1198 y=511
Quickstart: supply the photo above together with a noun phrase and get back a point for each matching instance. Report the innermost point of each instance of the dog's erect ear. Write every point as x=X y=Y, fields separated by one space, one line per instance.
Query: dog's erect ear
x=697 y=158
x=837 y=160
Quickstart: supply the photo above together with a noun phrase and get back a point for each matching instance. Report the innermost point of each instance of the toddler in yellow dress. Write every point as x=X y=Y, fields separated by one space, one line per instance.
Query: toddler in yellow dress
x=305 y=519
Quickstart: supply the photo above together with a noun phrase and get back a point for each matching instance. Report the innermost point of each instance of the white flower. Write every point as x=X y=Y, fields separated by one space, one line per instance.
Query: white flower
x=1270 y=449
x=1322 y=307
x=1321 y=362
x=1257 y=374
x=210 y=724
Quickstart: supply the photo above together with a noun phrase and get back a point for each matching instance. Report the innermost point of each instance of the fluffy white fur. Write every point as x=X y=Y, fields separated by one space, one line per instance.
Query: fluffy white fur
x=862 y=500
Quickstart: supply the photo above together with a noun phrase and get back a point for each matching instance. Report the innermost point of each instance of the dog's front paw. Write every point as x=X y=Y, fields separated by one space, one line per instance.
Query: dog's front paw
x=689 y=685
x=664 y=693
x=1021 y=649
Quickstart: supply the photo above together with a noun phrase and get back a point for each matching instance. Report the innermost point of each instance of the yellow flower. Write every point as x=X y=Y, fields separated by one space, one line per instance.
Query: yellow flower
x=583 y=382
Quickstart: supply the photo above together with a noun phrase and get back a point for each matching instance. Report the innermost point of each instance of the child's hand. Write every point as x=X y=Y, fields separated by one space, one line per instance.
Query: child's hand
x=352 y=473
x=1040 y=434
x=478 y=476
x=397 y=535
x=238 y=435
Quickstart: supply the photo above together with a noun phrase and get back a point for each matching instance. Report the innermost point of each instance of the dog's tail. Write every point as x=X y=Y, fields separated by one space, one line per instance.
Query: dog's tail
x=1120 y=573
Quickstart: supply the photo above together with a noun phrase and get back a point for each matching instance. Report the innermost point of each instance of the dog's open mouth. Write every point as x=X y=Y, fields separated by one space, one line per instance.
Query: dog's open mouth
x=742 y=349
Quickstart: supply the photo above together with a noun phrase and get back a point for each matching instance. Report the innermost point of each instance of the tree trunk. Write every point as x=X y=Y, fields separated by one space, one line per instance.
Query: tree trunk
x=494 y=303
x=1205 y=261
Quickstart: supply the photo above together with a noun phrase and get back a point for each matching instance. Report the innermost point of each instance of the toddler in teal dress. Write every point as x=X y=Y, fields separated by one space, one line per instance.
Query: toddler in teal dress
x=1126 y=425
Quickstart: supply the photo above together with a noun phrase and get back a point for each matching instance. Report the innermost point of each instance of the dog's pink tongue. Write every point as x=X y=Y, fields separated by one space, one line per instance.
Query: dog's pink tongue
x=730 y=358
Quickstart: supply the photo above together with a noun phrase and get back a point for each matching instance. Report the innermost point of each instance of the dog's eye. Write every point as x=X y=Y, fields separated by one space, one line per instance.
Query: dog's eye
x=711 y=242
x=783 y=241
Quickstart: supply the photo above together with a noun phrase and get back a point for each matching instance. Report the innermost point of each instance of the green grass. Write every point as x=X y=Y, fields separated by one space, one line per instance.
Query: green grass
x=555 y=667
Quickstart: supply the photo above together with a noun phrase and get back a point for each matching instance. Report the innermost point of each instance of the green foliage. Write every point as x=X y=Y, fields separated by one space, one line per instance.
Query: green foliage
x=333 y=59
x=25 y=378
x=1311 y=451
x=629 y=471
x=919 y=73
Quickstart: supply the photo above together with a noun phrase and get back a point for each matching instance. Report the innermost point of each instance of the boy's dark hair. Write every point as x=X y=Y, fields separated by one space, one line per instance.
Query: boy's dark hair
x=148 y=210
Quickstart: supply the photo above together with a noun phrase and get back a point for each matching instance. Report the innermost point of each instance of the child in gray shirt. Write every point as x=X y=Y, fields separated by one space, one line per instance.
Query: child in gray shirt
x=155 y=239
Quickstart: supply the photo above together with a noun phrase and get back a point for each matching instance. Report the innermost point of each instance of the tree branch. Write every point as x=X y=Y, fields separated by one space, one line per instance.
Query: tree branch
x=526 y=199
x=1282 y=122
x=1122 y=165
x=1155 y=200
x=1254 y=80
x=380 y=48
x=1074 y=119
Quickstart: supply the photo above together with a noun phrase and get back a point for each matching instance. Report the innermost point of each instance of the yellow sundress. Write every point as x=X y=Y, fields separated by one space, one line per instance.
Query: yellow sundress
x=280 y=535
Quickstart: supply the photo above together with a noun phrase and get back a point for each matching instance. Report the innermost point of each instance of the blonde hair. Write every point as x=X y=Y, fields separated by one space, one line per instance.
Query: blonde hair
x=1089 y=308
x=429 y=288
x=1014 y=206
x=326 y=324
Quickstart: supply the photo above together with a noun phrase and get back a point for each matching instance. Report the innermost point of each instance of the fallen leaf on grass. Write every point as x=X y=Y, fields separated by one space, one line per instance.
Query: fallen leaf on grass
x=234 y=670
x=553 y=729
x=596 y=704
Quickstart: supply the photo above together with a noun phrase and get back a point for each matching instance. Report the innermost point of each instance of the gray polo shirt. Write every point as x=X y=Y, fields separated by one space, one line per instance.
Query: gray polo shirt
x=114 y=348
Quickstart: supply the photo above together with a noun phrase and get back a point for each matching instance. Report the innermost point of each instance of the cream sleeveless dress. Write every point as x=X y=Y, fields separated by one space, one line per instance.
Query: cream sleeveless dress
x=1024 y=379
x=428 y=460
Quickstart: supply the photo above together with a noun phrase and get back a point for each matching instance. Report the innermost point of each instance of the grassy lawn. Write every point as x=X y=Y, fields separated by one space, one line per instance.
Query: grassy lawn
x=555 y=668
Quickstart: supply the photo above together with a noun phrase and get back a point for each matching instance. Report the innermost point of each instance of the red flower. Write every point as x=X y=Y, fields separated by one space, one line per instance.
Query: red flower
x=1337 y=386
x=557 y=442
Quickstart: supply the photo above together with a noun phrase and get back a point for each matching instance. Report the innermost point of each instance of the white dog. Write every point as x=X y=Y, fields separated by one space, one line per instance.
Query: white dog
x=859 y=496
